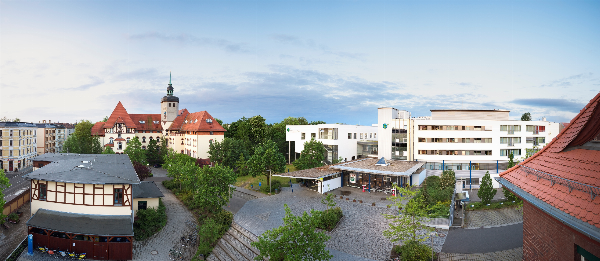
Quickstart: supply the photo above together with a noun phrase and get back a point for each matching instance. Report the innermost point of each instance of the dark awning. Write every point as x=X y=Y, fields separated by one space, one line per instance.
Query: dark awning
x=84 y=224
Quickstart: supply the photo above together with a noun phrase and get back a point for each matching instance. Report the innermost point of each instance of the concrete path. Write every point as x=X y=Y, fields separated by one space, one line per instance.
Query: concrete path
x=493 y=217
x=180 y=222
x=483 y=240
x=12 y=237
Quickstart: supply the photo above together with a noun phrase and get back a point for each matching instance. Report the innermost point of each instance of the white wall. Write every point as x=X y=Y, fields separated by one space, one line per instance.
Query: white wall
x=331 y=184
x=346 y=147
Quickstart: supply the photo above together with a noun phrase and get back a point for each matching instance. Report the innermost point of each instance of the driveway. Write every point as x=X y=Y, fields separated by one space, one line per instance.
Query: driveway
x=484 y=240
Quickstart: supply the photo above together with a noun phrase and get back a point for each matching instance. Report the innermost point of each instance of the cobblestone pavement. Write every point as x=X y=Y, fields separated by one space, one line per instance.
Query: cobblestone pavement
x=484 y=240
x=493 y=218
x=180 y=222
x=505 y=255
x=12 y=237
x=358 y=236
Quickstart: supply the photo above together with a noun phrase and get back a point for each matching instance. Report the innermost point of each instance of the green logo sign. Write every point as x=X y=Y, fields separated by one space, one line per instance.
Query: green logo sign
x=385 y=125
x=288 y=129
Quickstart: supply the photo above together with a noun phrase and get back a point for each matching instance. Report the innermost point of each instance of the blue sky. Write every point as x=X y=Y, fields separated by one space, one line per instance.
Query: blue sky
x=336 y=61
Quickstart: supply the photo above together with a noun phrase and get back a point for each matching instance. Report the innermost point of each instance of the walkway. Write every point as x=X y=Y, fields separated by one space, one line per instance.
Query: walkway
x=484 y=240
x=493 y=218
x=12 y=237
x=358 y=236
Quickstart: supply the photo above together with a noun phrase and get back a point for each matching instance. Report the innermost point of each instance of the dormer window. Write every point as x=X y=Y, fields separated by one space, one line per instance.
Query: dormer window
x=128 y=139
x=209 y=121
x=111 y=140
x=142 y=122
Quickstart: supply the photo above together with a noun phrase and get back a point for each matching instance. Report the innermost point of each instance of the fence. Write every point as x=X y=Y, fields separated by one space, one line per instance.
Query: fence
x=15 y=203
x=451 y=219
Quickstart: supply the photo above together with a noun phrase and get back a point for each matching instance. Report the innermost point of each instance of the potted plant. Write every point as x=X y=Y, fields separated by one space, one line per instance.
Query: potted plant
x=347 y=198
x=360 y=201
x=13 y=218
x=373 y=204
x=354 y=200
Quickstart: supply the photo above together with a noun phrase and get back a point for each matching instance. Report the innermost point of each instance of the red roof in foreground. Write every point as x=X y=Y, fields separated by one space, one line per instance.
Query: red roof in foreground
x=564 y=159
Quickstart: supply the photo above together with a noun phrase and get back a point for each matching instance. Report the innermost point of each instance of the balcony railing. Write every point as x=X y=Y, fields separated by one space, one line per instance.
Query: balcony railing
x=511 y=131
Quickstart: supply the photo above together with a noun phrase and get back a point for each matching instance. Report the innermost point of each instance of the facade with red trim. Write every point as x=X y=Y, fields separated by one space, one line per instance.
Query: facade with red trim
x=560 y=187
x=188 y=133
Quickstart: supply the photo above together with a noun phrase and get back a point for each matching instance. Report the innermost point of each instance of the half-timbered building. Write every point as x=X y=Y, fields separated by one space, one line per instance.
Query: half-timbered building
x=83 y=203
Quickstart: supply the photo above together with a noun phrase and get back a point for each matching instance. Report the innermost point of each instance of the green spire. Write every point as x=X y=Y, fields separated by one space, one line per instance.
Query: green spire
x=169 y=77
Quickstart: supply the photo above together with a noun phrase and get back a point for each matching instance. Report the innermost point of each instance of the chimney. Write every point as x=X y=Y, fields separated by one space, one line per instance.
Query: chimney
x=49 y=121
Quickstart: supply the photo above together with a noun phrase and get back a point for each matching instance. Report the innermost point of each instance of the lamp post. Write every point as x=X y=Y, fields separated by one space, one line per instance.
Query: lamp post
x=269 y=181
x=432 y=235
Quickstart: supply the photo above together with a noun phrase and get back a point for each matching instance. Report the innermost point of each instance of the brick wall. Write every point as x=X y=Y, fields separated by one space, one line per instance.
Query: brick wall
x=545 y=238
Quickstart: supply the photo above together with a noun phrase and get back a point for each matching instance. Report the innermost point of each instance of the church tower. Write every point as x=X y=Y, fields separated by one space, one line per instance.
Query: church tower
x=169 y=107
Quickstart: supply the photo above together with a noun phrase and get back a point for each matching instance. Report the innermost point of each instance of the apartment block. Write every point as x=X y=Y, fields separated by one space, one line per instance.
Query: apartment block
x=17 y=145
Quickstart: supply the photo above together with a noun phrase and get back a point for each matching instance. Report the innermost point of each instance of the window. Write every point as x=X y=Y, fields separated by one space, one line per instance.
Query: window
x=313 y=136
x=143 y=147
x=514 y=152
x=375 y=135
x=128 y=139
x=120 y=145
x=151 y=138
x=11 y=133
x=144 y=139
x=118 y=196
x=354 y=135
x=361 y=136
x=10 y=142
x=302 y=136
x=43 y=191
x=111 y=140
x=142 y=204
x=542 y=128
x=349 y=136
x=370 y=135
x=211 y=133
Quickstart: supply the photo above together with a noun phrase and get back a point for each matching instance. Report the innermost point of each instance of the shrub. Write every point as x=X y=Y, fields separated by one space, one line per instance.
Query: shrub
x=275 y=184
x=486 y=190
x=142 y=170
x=171 y=184
x=208 y=234
x=440 y=209
x=149 y=221
x=327 y=219
x=413 y=250
x=13 y=217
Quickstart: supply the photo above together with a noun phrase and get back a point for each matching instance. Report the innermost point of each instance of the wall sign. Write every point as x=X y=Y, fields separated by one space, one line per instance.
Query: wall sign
x=385 y=126
x=352 y=178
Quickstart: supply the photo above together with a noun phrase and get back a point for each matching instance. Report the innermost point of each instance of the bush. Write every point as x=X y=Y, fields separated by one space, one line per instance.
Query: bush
x=413 y=250
x=486 y=190
x=208 y=234
x=13 y=217
x=142 y=170
x=439 y=210
x=171 y=184
x=327 y=219
x=275 y=184
x=149 y=221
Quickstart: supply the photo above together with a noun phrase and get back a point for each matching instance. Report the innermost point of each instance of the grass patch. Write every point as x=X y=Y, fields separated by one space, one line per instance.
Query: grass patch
x=493 y=205
x=249 y=182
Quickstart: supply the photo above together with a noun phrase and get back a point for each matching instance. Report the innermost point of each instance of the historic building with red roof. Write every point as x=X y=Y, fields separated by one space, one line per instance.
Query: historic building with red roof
x=189 y=133
x=560 y=189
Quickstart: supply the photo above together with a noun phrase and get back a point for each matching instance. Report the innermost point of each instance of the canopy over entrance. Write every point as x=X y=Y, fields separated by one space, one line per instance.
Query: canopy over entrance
x=98 y=225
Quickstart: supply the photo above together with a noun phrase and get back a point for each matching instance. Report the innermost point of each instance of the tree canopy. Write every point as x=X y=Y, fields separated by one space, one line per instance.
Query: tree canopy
x=409 y=221
x=135 y=152
x=297 y=239
x=108 y=150
x=526 y=116
x=486 y=190
x=81 y=141
x=266 y=157
x=228 y=152
x=4 y=183
x=312 y=155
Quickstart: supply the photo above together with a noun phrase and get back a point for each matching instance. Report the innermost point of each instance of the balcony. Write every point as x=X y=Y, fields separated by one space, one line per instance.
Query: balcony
x=511 y=131
x=511 y=143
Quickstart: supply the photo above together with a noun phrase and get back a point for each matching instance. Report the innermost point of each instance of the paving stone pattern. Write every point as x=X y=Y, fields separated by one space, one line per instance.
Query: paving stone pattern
x=12 y=237
x=506 y=255
x=493 y=218
x=359 y=235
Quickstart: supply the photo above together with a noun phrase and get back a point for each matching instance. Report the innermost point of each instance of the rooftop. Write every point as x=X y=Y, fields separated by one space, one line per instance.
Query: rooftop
x=86 y=168
x=100 y=225
x=368 y=165
x=313 y=173
x=146 y=189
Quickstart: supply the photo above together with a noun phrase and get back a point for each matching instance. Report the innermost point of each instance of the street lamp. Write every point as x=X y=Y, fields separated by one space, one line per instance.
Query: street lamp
x=432 y=235
x=269 y=181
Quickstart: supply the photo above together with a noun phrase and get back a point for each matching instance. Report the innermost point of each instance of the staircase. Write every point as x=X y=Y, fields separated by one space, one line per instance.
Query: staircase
x=235 y=245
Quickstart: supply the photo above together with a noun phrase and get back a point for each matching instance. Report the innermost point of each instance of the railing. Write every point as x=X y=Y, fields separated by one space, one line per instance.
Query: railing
x=511 y=143
x=593 y=191
x=511 y=131
x=451 y=219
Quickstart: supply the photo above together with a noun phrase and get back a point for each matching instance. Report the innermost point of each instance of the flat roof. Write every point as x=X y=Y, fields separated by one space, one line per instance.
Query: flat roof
x=146 y=189
x=474 y=110
x=84 y=224
x=395 y=167
x=314 y=173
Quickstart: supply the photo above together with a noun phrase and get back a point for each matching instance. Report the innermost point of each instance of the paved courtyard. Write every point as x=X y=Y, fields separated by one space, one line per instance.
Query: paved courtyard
x=359 y=235
x=493 y=218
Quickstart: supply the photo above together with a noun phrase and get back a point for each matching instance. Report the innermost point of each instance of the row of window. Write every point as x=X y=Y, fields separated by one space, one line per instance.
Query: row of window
x=455 y=127
x=117 y=193
x=455 y=152
x=24 y=132
x=456 y=140
x=23 y=152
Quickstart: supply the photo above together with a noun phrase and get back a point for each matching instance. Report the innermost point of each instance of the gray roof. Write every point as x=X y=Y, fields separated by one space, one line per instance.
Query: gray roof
x=86 y=168
x=146 y=189
x=99 y=225
x=16 y=124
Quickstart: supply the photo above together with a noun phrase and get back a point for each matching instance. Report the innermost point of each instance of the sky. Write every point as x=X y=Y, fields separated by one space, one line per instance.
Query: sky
x=335 y=61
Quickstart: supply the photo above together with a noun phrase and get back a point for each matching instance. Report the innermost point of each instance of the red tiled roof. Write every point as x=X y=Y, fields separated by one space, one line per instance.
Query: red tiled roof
x=120 y=115
x=119 y=139
x=98 y=129
x=176 y=125
x=109 y=145
x=197 y=121
x=148 y=120
x=562 y=158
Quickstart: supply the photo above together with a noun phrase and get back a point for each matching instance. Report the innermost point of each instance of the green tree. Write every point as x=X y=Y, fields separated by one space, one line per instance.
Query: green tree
x=317 y=122
x=227 y=152
x=409 y=221
x=105 y=119
x=153 y=152
x=81 y=141
x=163 y=149
x=135 y=152
x=108 y=150
x=526 y=116
x=507 y=193
x=4 y=183
x=297 y=239
x=181 y=167
x=213 y=187
x=278 y=130
x=448 y=179
x=312 y=155
x=266 y=157
x=486 y=190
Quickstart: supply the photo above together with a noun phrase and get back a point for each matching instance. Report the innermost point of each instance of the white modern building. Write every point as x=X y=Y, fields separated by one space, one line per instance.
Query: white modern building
x=348 y=142
x=470 y=142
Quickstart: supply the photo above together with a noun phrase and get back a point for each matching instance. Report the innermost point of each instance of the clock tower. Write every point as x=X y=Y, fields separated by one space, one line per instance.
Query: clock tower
x=169 y=107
